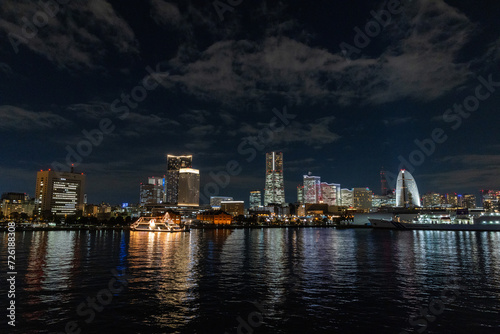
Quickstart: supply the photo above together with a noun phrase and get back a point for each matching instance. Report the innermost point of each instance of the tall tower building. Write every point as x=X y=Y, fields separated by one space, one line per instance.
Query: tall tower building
x=255 y=199
x=59 y=193
x=275 y=188
x=153 y=191
x=406 y=190
x=174 y=164
x=312 y=189
x=189 y=187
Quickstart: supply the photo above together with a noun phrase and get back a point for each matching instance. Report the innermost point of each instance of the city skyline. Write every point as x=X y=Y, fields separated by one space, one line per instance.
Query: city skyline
x=418 y=91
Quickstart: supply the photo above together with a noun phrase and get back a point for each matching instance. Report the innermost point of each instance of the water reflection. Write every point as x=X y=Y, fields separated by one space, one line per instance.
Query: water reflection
x=307 y=280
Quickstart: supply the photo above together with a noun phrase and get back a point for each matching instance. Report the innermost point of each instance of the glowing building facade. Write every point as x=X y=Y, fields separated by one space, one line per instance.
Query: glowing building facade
x=312 y=189
x=189 y=187
x=407 y=194
x=330 y=193
x=174 y=164
x=59 y=193
x=255 y=199
x=274 y=192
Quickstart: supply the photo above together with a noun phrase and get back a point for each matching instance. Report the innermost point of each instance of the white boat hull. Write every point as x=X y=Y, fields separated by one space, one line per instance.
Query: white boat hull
x=393 y=225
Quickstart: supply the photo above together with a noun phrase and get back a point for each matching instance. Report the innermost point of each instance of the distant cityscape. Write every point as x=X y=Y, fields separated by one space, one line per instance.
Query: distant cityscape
x=60 y=196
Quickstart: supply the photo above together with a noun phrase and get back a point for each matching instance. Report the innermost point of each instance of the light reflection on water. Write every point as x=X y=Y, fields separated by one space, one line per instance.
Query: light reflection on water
x=307 y=280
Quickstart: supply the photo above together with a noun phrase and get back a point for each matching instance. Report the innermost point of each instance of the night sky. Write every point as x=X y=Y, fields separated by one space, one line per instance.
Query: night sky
x=172 y=77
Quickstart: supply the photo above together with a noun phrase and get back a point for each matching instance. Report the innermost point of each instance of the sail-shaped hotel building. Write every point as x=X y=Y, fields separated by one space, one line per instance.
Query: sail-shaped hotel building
x=407 y=194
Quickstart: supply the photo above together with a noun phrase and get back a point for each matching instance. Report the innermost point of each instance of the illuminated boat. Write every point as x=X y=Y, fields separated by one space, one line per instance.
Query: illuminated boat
x=158 y=224
x=484 y=222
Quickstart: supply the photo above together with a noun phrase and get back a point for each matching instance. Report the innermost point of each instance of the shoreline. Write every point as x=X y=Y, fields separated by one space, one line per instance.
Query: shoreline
x=208 y=227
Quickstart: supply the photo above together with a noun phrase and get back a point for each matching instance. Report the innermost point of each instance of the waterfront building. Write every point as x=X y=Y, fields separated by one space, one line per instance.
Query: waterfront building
x=216 y=200
x=312 y=189
x=152 y=192
x=174 y=164
x=346 y=197
x=451 y=200
x=490 y=199
x=234 y=208
x=330 y=193
x=189 y=187
x=215 y=217
x=431 y=200
x=274 y=192
x=468 y=201
x=255 y=199
x=407 y=194
x=17 y=204
x=59 y=193
x=362 y=199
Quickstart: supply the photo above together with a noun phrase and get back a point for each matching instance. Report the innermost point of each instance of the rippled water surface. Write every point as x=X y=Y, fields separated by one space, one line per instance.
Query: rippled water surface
x=310 y=280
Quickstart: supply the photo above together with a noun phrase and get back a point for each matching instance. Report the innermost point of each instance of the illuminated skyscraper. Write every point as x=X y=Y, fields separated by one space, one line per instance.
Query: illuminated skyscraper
x=312 y=189
x=255 y=199
x=59 y=193
x=189 y=187
x=275 y=188
x=153 y=191
x=330 y=193
x=490 y=199
x=174 y=164
x=406 y=190
x=431 y=200
x=362 y=199
x=346 y=195
x=468 y=201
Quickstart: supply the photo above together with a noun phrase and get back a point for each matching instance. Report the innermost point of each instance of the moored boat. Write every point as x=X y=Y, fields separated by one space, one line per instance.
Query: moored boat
x=484 y=222
x=158 y=224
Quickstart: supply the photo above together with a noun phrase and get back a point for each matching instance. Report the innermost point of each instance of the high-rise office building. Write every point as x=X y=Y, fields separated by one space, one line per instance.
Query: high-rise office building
x=362 y=199
x=216 y=200
x=490 y=199
x=468 y=201
x=330 y=193
x=153 y=191
x=59 y=193
x=174 y=164
x=255 y=199
x=431 y=200
x=346 y=196
x=312 y=189
x=274 y=192
x=407 y=194
x=189 y=187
